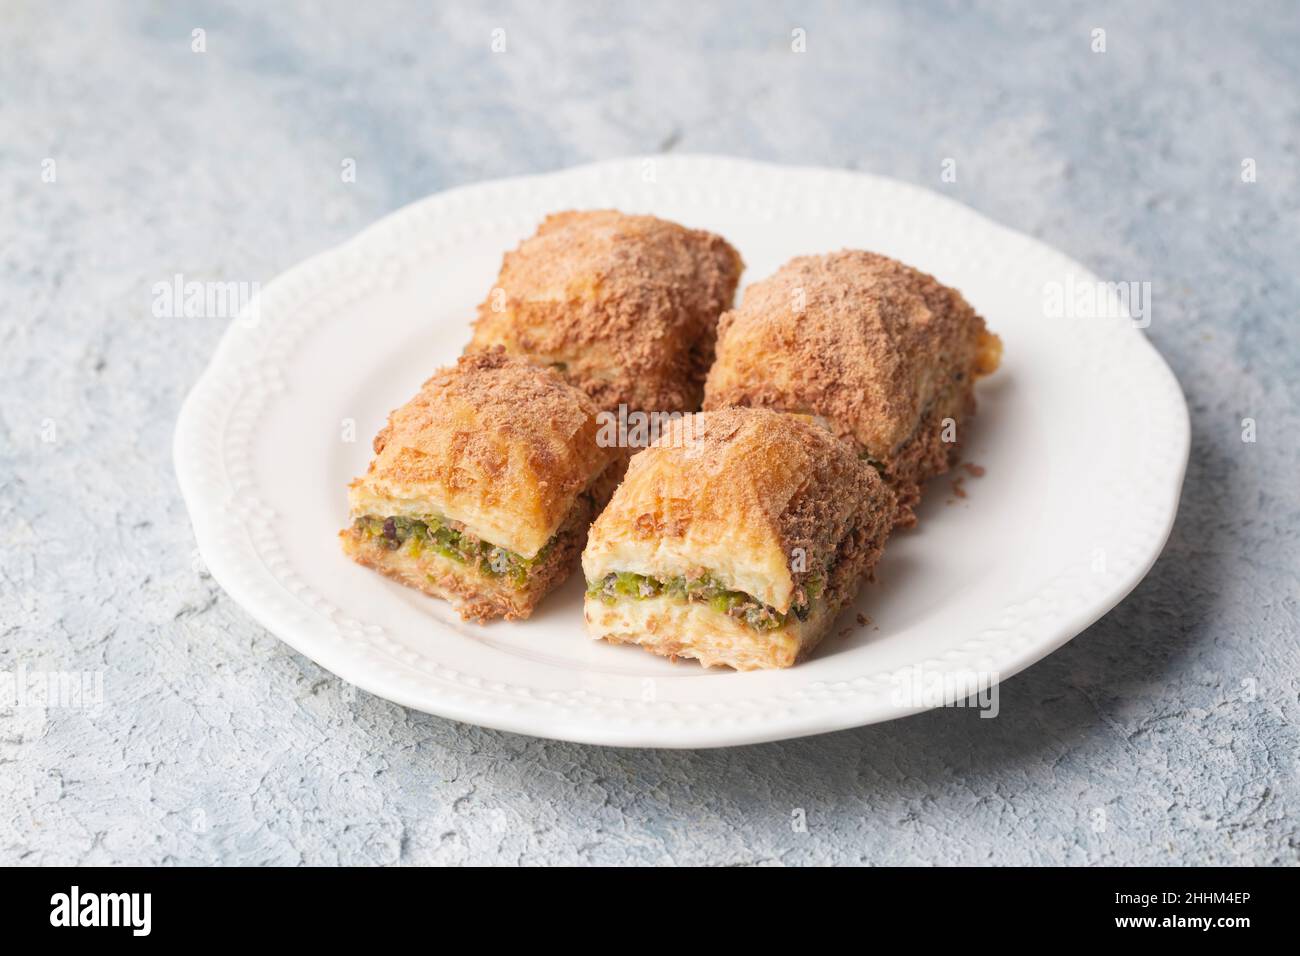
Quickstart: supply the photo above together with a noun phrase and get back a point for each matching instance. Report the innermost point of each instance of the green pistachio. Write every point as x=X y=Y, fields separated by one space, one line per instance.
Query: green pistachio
x=704 y=589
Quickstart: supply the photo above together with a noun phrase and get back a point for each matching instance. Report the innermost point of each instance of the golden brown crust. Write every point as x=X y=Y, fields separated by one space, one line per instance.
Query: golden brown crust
x=880 y=350
x=675 y=629
x=758 y=499
x=494 y=444
x=626 y=306
x=763 y=502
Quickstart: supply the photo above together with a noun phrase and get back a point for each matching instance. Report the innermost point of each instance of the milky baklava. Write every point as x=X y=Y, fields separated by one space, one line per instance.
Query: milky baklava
x=482 y=487
x=886 y=355
x=735 y=539
x=625 y=307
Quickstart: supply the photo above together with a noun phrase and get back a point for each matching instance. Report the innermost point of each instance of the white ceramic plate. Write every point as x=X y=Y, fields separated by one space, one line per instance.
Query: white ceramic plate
x=1083 y=434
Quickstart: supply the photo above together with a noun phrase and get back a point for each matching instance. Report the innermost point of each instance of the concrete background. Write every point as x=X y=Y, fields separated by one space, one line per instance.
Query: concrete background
x=1167 y=733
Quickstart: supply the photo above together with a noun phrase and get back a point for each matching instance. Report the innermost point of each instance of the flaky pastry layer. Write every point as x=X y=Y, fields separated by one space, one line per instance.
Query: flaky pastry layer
x=626 y=307
x=676 y=628
x=498 y=445
x=758 y=499
x=883 y=352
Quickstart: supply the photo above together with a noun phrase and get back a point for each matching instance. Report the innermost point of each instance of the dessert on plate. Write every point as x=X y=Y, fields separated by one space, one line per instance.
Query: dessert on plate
x=625 y=307
x=886 y=354
x=482 y=487
x=735 y=539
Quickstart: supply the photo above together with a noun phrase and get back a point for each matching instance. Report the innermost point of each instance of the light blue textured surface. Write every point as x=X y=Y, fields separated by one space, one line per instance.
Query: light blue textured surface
x=1167 y=733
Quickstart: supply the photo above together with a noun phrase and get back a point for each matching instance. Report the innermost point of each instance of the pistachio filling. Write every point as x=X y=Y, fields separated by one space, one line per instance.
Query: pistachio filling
x=624 y=585
x=431 y=533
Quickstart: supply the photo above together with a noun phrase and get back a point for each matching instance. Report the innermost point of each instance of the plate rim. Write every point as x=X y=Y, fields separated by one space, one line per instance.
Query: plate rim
x=351 y=667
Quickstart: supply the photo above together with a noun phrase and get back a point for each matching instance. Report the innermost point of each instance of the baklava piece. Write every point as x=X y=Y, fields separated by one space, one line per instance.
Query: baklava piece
x=625 y=307
x=735 y=539
x=887 y=355
x=482 y=487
